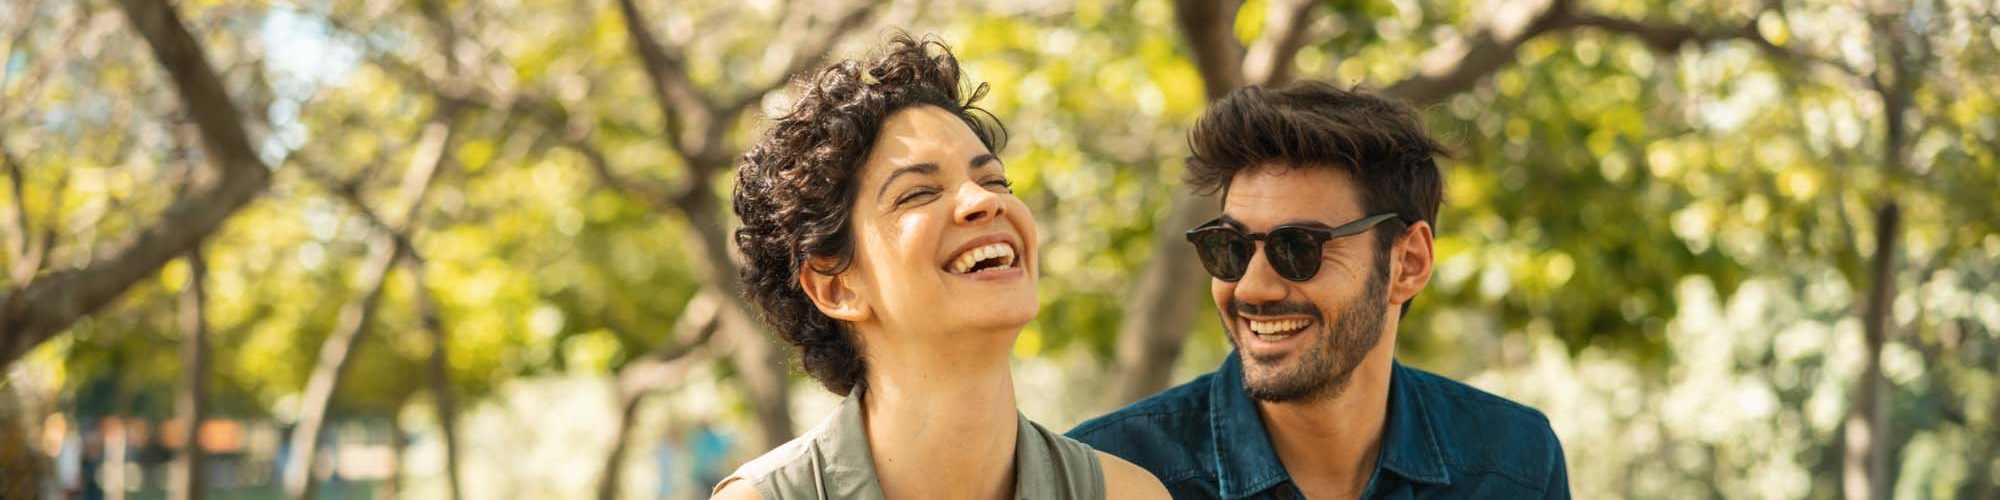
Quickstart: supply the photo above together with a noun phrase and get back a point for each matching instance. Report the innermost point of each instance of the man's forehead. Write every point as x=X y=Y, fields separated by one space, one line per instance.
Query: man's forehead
x=1268 y=196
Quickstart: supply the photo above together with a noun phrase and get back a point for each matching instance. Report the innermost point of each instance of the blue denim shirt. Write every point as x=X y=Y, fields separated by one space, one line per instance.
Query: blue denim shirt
x=1442 y=439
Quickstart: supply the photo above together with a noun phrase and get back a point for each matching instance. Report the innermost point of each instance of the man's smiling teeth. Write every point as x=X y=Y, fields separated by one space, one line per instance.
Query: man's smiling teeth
x=966 y=260
x=1284 y=326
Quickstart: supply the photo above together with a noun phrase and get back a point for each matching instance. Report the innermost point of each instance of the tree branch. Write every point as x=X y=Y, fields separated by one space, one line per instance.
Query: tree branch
x=690 y=115
x=575 y=135
x=25 y=14
x=1662 y=37
x=1209 y=29
x=762 y=365
x=349 y=193
x=40 y=247
x=1452 y=69
x=692 y=331
x=17 y=230
x=50 y=304
x=1455 y=67
x=805 y=58
x=1269 y=61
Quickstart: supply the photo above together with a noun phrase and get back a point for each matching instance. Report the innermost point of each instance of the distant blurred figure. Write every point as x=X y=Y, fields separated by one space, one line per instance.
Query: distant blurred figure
x=709 y=453
x=670 y=463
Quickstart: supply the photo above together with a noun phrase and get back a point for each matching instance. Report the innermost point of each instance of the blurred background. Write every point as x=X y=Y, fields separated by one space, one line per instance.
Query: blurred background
x=478 y=249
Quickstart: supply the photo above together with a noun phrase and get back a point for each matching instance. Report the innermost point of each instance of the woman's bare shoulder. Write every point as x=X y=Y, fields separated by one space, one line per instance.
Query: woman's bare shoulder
x=1124 y=480
x=736 y=490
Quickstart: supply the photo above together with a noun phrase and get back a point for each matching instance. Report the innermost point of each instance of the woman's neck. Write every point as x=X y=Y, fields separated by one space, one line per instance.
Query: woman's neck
x=942 y=422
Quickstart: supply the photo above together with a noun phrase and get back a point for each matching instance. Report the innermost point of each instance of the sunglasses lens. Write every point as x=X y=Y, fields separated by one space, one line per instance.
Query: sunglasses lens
x=1224 y=252
x=1294 y=253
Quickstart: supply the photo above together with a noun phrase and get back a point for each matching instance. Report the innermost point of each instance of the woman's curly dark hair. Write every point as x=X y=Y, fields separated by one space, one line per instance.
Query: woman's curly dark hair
x=796 y=186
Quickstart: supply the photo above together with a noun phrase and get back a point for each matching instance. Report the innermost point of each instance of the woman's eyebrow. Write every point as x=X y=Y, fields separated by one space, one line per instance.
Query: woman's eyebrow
x=925 y=168
x=983 y=159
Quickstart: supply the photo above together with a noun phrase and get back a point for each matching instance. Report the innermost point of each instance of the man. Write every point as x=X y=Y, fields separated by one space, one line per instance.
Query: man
x=1329 y=197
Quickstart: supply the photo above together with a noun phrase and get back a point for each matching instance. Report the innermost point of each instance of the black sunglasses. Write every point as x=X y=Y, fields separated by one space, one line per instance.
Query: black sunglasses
x=1294 y=250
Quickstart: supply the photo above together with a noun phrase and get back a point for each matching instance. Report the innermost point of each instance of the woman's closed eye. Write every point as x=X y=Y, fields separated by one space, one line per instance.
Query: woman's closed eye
x=915 y=195
x=926 y=193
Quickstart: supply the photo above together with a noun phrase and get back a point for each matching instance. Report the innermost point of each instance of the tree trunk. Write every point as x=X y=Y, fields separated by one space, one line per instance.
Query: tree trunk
x=660 y=369
x=1984 y=485
x=399 y=444
x=1865 y=463
x=187 y=482
x=387 y=247
x=21 y=465
x=1865 y=467
x=442 y=394
x=1161 y=308
x=331 y=368
x=760 y=362
x=621 y=438
x=696 y=131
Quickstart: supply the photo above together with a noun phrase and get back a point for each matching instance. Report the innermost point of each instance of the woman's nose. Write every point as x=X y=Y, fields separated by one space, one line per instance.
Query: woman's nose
x=976 y=204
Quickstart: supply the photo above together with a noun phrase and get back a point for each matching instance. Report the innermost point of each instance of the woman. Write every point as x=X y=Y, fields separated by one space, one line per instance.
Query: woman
x=883 y=241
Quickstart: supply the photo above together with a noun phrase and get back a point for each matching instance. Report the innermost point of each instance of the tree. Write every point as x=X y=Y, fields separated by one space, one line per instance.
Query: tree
x=658 y=371
x=1671 y=208
x=427 y=157
x=48 y=303
x=443 y=394
x=188 y=483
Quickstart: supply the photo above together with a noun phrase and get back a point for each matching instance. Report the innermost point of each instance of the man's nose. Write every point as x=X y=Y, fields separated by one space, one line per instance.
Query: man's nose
x=1260 y=283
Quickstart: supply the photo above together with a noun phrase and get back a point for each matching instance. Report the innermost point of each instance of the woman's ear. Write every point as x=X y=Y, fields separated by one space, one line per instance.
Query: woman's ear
x=834 y=294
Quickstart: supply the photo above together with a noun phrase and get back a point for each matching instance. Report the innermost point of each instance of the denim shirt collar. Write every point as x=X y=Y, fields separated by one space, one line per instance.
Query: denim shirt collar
x=1246 y=463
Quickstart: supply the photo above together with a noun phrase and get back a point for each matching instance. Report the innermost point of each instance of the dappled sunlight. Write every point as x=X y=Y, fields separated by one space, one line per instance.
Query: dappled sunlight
x=496 y=237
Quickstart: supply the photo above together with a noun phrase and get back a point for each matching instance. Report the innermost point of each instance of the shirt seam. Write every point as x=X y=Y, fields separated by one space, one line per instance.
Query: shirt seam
x=1516 y=478
x=1094 y=426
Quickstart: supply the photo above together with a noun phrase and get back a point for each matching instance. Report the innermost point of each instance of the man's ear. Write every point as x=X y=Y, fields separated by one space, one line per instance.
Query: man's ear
x=834 y=294
x=1413 y=260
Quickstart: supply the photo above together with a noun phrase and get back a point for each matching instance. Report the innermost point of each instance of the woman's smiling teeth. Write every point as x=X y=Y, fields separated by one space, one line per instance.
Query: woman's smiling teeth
x=1277 y=329
x=991 y=256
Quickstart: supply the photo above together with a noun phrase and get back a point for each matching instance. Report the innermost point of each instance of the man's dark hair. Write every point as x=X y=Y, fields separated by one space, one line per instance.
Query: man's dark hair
x=1381 y=143
x=796 y=186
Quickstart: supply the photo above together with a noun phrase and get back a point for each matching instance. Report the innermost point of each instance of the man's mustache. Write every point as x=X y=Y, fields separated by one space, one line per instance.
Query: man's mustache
x=1238 y=307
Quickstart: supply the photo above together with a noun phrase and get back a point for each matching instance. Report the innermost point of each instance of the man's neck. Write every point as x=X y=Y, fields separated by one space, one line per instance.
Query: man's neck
x=1329 y=446
x=942 y=425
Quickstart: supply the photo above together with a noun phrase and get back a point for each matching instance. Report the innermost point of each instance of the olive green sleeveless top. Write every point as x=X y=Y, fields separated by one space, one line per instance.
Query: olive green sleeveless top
x=832 y=461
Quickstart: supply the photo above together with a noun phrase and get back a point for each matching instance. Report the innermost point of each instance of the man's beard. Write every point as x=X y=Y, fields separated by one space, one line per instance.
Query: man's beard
x=1322 y=369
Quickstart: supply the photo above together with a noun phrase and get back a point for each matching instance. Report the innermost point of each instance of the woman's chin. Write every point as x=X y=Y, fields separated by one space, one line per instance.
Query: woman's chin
x=999 y=317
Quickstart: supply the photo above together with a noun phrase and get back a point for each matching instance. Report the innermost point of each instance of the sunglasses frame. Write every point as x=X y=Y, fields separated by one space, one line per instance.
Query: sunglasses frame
x=1319 y=235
